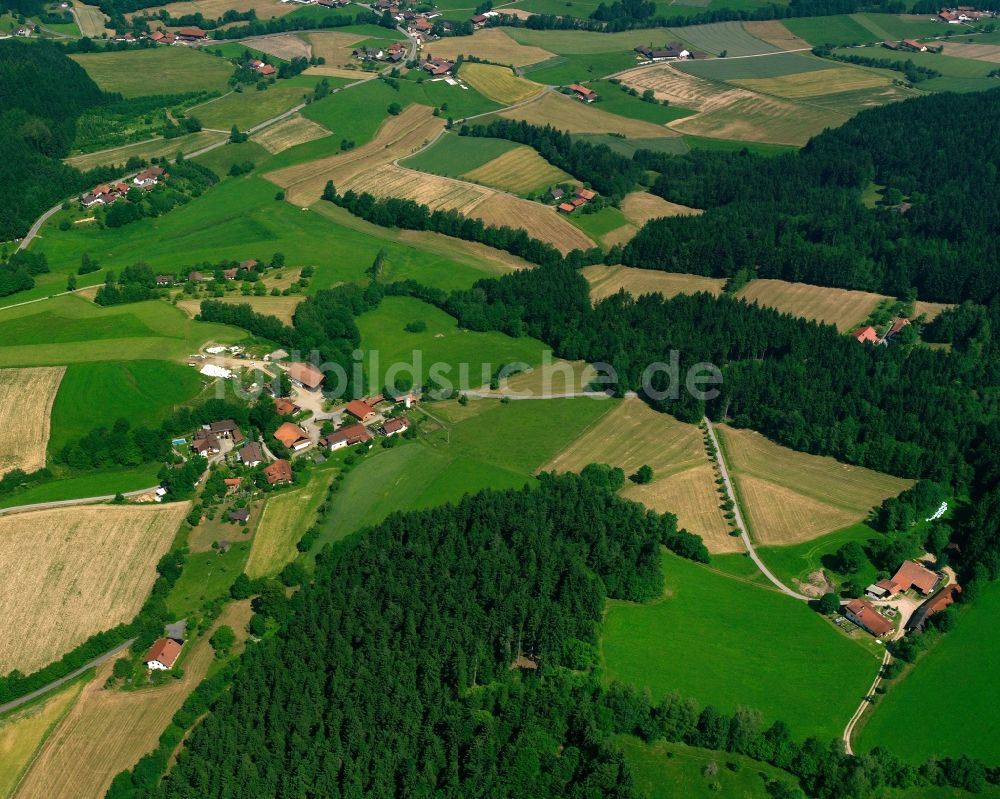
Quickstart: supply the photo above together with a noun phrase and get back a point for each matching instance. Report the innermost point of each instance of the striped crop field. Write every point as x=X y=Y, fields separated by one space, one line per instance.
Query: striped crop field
x=521 y=171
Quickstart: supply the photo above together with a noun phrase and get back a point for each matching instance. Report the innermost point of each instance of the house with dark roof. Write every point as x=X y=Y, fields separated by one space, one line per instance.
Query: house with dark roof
x=205 y=444
x=191 y=34
x=394 y=426
x=239 y=516
x=864 y=615
x=251 y=454
x=285 y=407
x=226 y=428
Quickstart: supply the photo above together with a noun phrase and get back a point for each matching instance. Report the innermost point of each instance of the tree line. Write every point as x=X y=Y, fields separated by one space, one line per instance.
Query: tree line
x=800 y=217
x=915 y=73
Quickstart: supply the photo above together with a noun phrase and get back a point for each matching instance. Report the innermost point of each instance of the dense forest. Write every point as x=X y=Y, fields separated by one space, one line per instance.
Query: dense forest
x=800 y=217
x=42 y=92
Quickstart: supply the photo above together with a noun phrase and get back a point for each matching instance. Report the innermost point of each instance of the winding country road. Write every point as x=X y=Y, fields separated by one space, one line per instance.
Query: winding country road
x=741 y=526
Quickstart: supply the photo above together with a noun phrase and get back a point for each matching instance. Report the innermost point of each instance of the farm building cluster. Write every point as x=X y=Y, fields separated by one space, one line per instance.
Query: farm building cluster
x=581 y=197
x=673 y=51
x=869 y=335
x=184 y=36
x=110 y=193
x=960 y=14
x=394 y=53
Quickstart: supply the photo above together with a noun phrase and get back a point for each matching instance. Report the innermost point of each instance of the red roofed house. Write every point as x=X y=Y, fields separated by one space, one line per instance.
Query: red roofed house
x=422 y=25
x=292 y=436
x=231 y=483
x=162 y=655
x=865 y=616
x=191 y=34
x=305 y=375
x=567 y=208
x=285 y=407
x=361 y=411
x=148 y=177
x=248 y=265
x=913 y=575
x=347 y=436
x=913 y=44
x=585 y=194
x=230 y=274
x=865 y=334
x=897 y=324
x=278 y=472
x=583 y=93
x=478 y=21
x=393 y=426
x=940 y=601
x=576 y=202
x=437 y=66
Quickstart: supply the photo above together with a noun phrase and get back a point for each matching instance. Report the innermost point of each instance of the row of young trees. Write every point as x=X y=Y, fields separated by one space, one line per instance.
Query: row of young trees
x=800 y=217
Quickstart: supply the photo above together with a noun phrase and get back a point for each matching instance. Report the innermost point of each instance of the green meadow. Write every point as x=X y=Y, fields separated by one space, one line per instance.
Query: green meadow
x=576 y=67
x=250 y=107
x=839 y=29
x=92 y=484
x=731 y=643
x=941 y=708
x=600 y=223
x=70 y=329
x=616 y=101
x=452 y=155
x=97 y=394
x=157 y=70
x=221 y=159
x=442 y=344
x=796 y=562
x=769 y=66
x=207 y=576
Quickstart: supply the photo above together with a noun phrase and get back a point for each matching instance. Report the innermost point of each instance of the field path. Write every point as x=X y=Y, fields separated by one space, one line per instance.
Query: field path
x=59 y=503
x=849 y=729
x=15 y=703
x=721 y=461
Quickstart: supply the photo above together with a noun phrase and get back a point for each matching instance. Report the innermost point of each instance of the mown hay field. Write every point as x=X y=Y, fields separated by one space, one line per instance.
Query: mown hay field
x=335 y=47
x=607 y=280
x=633 y=434
x=977 y=52
x=213 y=9
x=153 y=148
x=289 y=132
x=815 y=83
x=540 y=221
x=285 y=46
x=641 y=206
x=774 y=32
x=491 y=44
x=792 y=496
x=280 y=307
x=23 y=731
x=26 y=397
x=286 y=517
x=90 y=20
x=434 y=191
x=107 y=731
x=729 y=37
x=498 y=83
x=929 y=310
x=841 y=307
x=571 y=115
x=397 y=137
x=67 y=573
x=157 y=70
x=521 y=170
x=773 y=65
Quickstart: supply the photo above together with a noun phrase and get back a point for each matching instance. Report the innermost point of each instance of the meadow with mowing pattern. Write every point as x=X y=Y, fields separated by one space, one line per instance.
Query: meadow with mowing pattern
x=68 y=573
x=156 y=70
x=730 y=643
x=26 y=397
x=499 y=84
x=521 y=171
x=294 y=130
x=844 y=308
x=490 y=44
x=452 y=155
x=249 y=108
x=723 y=37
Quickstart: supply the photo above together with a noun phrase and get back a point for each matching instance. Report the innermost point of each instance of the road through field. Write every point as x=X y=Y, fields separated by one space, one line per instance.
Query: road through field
x=739 y=520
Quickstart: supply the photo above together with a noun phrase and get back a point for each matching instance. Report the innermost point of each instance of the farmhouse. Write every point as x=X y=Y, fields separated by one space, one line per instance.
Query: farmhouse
x=582 y=93
x=913 y=44
x=479 y=21
x=292 y=436
x=395 y=52
x=191 y=34
x=360 y=410
x=251 y=455
x=261 y=67
x=205 y=444
x=556 y=193
x=437 y=66
x=867 y=618
x=672 y=52
x=897 y=325
x=285 y=407
x=278 y=472
x=231 y=484
x=394 y=426
x=347 y=436
x=248 y=265
x=421 y=25
x=164 y=280
x=368 y=53
x=567 y=208
x=162 y=655
x=864 y=335
x=883 y=589
x=149 y=177
x=940 y=601
x=305 y=375
x=585 y=194
x=227 y=428
x=913 y=575
x=889 y=44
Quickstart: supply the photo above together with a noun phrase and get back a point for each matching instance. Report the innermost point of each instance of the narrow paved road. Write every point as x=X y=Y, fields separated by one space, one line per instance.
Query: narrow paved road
x=740 y=525
x=15 y=703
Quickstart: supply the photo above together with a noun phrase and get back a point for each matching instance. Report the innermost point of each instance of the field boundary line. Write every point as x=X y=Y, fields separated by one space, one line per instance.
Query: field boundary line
x=62 y=503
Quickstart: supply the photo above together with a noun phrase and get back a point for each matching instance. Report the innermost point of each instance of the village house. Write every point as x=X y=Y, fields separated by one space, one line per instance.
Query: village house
x=913 y=44
x=292 y=436
x=333 y=3
x=285 y=407
x=360 y=410
x=437 y=67
x=227 y=428
x=421 y=25
x=865 y=335
x=394 y=426
x=347 y=436
x=674 y=51
x=395 y=52
x=232 y=484
x=479 y=21
x=566 y=208
x=278 y=472
x=149 y=177
x=556 y=193
x=305 y=375
x=205 y=444
x=162 y=655
x=230 y=274
x=251 y=454
x=867 y=618
x=914 y=575
x=582 y=93
x=196 y=277
x=942 y=600
x=249 y=265
x=261 y=67
x=164 y=280
x=897 y=325
x=368 y=53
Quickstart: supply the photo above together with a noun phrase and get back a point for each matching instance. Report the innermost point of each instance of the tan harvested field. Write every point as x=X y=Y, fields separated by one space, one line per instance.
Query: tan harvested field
x=499 y=83
x=815 y=83
x=491 y=44
x=438 y=193
x=634 y=434
x=397 y=137
x=692 y=496
x=26 y=397
x=23 y=731
x=562 y=112
x=841 y=307
x=90 y=20
x=930 y=310
x=641 y=206
x=977 y=52
x=521 y=170
x=733 y=113
x=792 y=496
x=107 y=731
x=333 y=71
x=540 y=221
x=296 y=129
x=151 y=148
x=607 y=280
x=620 y=235
x=334 y=46
x=557 y=377
x=70 y=572
x=283 y=45
x=280 y=307
x=213 y=9
x=774 y=32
